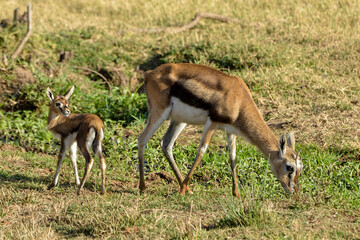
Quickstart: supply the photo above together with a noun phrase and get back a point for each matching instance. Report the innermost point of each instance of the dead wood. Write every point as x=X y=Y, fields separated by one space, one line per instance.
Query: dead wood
x=278 y=124
x=16 y=15
x=192 y=24
x=66 y=55
x=99 y=74
x=5 y=60
x=28 y=33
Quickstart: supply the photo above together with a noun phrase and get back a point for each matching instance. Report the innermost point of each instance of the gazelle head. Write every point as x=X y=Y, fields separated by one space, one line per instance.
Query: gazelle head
x=288 y=164
x=59 y=104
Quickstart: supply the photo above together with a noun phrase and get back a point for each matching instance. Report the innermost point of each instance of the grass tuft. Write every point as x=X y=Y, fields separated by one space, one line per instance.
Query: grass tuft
x=300 y=60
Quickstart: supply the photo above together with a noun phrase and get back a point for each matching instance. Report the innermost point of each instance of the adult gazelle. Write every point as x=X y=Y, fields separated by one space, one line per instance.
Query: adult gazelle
x=196 y=94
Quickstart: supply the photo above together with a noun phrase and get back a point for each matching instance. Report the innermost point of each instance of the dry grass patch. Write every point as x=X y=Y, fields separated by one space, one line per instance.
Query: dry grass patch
x=301 y=62
x=28 y=210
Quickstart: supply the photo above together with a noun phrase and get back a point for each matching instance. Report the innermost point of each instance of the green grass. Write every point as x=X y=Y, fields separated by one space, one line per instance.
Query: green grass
x=300 y=61
x=326 y=204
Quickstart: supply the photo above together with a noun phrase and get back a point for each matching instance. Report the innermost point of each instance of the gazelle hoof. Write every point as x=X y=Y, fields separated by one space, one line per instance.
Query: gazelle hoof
x=184 y=189
x=50 y=186
x=237 y=195
x=142 y=188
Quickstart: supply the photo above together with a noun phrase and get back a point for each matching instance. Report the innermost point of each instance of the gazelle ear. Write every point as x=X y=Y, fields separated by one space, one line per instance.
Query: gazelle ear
x=291 y=141
x=50 y=94
x=282 y=144
x=69 y=93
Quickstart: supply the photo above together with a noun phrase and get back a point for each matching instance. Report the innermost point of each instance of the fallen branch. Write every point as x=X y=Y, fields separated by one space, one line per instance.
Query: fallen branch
x=192 y=24
x=16 y=14
x=99 y=74
x=278 y=124
x=28 y=33
x=5 y=60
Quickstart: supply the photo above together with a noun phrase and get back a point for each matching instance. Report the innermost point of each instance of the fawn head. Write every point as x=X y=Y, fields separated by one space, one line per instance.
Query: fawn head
x=59 y=104
x=288 y=164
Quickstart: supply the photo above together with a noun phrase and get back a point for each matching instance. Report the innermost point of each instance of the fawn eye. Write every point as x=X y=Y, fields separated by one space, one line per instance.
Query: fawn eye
x=57 y=104
x=289 y=168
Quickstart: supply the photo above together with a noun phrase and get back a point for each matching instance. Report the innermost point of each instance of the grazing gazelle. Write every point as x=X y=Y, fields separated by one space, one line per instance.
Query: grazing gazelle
x=83 y=130
x=197 y=94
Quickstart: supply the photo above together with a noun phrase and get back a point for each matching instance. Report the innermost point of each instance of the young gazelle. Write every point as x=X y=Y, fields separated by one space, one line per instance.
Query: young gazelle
x=197 y=94
x=83 y=130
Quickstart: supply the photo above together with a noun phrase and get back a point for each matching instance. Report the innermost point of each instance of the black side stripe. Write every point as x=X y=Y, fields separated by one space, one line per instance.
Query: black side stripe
x=186 y=96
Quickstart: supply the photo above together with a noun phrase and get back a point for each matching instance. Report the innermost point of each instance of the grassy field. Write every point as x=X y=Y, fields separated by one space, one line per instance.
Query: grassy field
x=300 y=61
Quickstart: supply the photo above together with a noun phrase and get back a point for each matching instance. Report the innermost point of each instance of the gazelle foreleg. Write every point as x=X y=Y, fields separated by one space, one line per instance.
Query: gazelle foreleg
x=63 y=148
x=73 y=157
x=232 y=154
x=167 y=144
x=209 y=130
x=156 y=118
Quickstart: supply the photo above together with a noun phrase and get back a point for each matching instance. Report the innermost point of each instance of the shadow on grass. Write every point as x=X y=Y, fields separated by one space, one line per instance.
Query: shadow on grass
x=152 y=62
x=38 y=183
x=195 y=52
x=21 y=178
x=94 y=187
x=346 y=154
x=70 y=231
x=22 y=181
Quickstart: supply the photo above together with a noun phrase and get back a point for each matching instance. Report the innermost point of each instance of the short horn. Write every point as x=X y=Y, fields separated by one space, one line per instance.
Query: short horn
x=297 y=155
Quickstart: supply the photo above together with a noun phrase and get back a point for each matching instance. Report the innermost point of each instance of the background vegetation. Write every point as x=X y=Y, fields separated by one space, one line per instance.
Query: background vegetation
x=300 y=61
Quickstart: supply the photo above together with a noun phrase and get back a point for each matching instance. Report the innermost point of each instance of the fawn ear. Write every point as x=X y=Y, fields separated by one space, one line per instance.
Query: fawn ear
x=69 y=93
x=291 y=141
x=282 y=144
x=50 y=94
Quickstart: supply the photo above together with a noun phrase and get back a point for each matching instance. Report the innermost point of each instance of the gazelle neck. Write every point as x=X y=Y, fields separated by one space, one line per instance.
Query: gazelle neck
x=51 y=116
x=259 y=134
x=267 y=142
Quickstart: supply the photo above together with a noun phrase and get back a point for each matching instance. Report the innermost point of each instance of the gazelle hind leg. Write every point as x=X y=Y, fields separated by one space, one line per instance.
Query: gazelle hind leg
x=167 y=144
x=232 y=153
x=103 y=170
x=156 y=118
x=209 y=130
x=89 y=161
x=73 y=157
x=99 y=154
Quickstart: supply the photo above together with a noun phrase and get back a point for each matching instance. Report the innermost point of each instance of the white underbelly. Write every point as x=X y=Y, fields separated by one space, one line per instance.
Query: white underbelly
x=230 y=129
x=182 y=112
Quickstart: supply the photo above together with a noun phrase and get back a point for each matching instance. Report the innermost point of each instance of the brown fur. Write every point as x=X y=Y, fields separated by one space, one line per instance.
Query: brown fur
x=63 y=123
x=80 y=123
x=227 y=100
x=226 y=95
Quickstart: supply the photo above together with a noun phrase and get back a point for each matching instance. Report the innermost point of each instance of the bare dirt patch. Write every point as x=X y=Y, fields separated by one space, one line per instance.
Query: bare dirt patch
x=158 y=176
x=21 y=78
x=9 y=147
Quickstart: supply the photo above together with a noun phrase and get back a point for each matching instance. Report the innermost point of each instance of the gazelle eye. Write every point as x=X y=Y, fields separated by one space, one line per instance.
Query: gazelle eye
x=290 y=168
x=57 y=104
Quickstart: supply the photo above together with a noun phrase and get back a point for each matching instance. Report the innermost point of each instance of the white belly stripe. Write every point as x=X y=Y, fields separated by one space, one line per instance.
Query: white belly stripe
x=182 y=112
